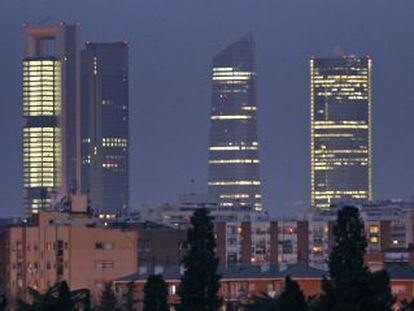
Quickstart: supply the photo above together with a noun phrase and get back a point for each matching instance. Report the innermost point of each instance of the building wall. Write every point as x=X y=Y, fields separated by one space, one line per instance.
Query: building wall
x=50 y=251
x=303 y=242
x=246 y=247
x=101 y=255
x=160 y=246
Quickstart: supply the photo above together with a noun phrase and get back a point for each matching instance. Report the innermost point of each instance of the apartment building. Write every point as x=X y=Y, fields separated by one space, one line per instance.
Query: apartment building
x=308 y=239
x=55 y=246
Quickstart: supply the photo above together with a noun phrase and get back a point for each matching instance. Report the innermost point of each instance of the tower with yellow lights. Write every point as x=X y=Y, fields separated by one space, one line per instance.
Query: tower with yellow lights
x=234 y=145
x=341 y=138
x=51 y=129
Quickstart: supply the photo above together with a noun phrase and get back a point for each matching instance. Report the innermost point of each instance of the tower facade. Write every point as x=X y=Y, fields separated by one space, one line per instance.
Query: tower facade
x=341 y=139
x=50 y=111
x=105 y=134
x=234 y=175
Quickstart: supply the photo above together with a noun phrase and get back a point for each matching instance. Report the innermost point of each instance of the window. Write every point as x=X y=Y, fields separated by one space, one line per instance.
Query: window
x=287 y=247
x=399 y=289
x=104 y=245
x=289 y=230
x=104 y=265
x=144 y=246
x=374 y=239
x=373 y=229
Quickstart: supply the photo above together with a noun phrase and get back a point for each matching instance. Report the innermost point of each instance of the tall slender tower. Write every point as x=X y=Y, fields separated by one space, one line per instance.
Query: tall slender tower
x=105 y=134
x=341 y=139
x=234 y=145
x=51 y=129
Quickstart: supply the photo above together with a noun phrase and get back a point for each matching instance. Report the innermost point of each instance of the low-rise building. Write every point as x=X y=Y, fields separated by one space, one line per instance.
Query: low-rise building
x=55 y=246
x=239 y=284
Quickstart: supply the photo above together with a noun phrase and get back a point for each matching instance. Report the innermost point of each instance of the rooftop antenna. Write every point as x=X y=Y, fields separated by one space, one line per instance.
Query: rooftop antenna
x=192 y=186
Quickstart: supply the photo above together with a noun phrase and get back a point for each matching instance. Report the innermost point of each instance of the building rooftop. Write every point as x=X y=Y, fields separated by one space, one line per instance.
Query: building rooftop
x=401 y=272
x=236 y=272
x=261 y=272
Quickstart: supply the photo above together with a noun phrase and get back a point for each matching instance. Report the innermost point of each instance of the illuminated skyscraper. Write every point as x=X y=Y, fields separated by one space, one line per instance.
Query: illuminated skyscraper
x=341 y=160
x=234 y=145
x=105 y=132
x=50 y=112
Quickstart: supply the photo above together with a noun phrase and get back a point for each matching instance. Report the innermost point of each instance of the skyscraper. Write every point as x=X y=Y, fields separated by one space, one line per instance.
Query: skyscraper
x=105 y=135
x=341 y=139
x=50 y=112
x=234 y=145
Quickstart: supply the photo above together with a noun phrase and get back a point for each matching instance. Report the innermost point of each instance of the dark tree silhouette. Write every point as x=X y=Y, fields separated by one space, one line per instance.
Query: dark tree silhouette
x=58 y=297
x=201 y=282
x=263 y=302
x=351 y=285
x=156 y=294
x=407 y=305
x=128 y=300
x=108 y=300
x=291 y=299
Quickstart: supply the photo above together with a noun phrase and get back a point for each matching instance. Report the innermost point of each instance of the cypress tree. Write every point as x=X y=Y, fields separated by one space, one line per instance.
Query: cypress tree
x=201 y=282
x=352 y=286
x=346 y=262
x=156 y=294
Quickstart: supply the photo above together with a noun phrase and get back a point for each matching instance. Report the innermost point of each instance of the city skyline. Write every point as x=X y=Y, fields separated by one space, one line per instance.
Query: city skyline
x=282 y=92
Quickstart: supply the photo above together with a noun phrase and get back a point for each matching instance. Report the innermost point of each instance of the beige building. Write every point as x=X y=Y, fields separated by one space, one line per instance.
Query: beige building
x=55 y=246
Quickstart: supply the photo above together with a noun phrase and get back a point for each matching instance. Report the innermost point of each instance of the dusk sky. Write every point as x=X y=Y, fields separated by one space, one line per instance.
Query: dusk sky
x=172 y=44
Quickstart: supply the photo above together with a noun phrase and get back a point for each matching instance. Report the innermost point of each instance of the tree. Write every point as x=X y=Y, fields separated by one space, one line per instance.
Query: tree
x=291 y=299
x=64 y=300
x=263 y=302
x=156 y=294
x=407 y=305
x=201 y=282
x=128 y=299
x=3 y=302
x=379 y=295
x=346 y=262
x=108 y=300
x=351 y=285
x=57 y=297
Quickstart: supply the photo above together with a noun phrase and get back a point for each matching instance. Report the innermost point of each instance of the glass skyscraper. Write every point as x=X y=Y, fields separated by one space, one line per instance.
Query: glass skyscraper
x=50 y=113
x=105 y=134
x=234 y=175
x=341 y=139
